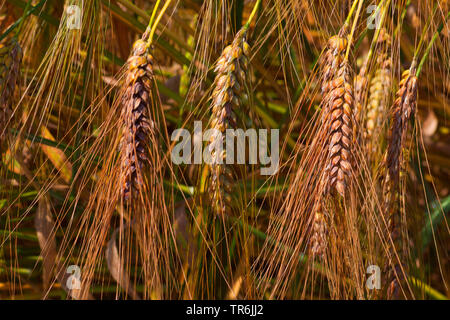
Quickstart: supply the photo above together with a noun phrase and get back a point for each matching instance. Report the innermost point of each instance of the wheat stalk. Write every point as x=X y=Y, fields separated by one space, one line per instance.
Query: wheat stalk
x=138 y=127
x=229 y=85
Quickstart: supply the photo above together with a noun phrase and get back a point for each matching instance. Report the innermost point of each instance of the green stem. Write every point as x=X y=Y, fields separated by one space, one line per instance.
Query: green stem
x=402 y=17
x=427 y=51
x=355 y=21
x=440 y=209
x=427 y=289
x=252 y=14
x=153 y=28
x=377 y=33
x=350 y=13
x=422 y=37
x=152 y=18
x=24 y=15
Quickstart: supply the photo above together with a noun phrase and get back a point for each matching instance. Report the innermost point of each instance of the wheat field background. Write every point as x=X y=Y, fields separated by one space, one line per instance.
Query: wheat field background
x=92 y=205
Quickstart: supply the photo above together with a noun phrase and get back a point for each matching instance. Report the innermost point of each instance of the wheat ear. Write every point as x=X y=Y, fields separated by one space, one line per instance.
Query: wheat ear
x=333 y=59
x=138 y=127
x=404 y=106
x=377 y=104
x=10 y=60
x=339 y=124
x=318 y=239
x=228 y=89
x=360 y=84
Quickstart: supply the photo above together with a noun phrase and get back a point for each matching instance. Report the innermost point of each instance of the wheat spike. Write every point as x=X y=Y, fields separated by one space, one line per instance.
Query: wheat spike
x=138 y=126
x=330 y=64
x=339 y=125
x=319 y=237
x=379 y=93
x=403 y=107
x=378 y=83
x=336 y=125
x=360 y=84
x=229 y=85
x=10 y=60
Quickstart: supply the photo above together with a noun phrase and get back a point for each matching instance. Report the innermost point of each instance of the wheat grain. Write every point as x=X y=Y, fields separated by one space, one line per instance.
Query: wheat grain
x=137 y=124
x=229 y=86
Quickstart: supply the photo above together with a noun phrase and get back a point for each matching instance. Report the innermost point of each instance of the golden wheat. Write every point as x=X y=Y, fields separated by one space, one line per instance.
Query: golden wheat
x=319 y=236
x=360 y=85
x=340 y=126
x=332 y=60
x=137 y=124
x=379 y=94
x=404 y=106
x=226 y=97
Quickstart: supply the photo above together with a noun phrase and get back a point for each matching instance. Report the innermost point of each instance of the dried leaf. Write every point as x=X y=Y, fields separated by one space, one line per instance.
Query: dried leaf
x=430 y=124
x=44 y=225
x=185 y=239
x=56 y=156
x=115 y=266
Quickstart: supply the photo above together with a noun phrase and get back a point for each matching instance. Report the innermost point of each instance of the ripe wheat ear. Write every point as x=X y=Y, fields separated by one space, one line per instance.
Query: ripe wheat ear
x=138 y=127
x=227 y=96
x=334 y=222
x=340 y=126
x=402 y=110
x=377 y=104
x=360 y=85
x=10 y=60
x=333 y=58
x=318 y=241
x=331 y=64
x=131 y=184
